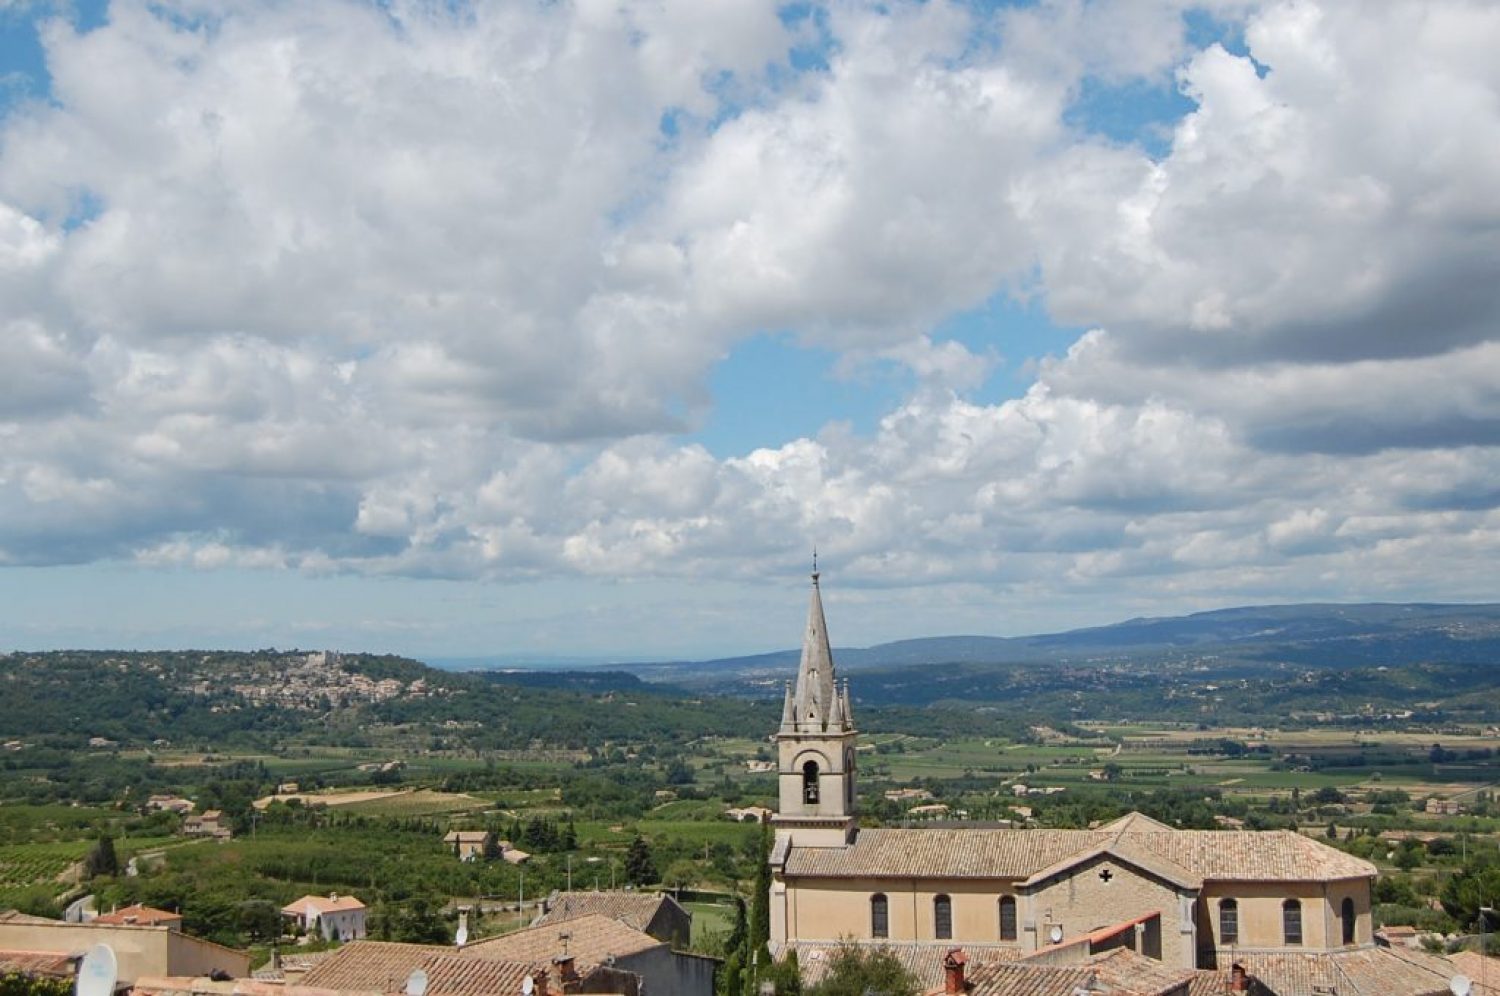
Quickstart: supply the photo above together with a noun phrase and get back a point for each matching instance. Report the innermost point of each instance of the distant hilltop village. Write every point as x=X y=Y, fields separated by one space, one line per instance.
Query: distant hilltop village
x=320 y=682
x=1132 y=907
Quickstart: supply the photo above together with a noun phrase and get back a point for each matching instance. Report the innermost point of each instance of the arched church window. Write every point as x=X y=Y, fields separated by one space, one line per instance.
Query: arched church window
x=880 y=916
x=942 y=918
x=810 y=782
x=1291 y=922
x=1346 y=914
x=1229 y=921
x=1007 y=918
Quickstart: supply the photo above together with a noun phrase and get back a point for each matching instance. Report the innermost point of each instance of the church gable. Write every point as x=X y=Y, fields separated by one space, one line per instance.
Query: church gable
x=1120 y=853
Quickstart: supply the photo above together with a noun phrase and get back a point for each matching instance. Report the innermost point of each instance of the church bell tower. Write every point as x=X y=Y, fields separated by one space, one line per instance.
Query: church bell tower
x=815 y=746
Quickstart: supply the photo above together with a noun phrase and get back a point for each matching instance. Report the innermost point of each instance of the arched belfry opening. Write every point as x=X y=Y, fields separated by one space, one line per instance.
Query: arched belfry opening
x=810 y=783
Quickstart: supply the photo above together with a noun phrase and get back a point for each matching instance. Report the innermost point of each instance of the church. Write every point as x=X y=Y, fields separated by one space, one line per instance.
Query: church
x=1189 y=899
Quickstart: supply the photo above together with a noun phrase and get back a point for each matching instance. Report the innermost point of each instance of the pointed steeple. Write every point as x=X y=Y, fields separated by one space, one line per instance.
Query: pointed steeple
x=814 y=699
x=836 y=713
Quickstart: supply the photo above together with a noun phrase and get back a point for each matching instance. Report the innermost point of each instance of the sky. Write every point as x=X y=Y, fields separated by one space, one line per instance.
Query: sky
x=457 y=328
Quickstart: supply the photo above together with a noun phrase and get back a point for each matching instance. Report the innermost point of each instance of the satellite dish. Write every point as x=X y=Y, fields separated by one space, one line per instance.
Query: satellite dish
x=416 y=983
x=527 y=985
x=98 y=972
x=1055 y=934
x=1460 y=985
x=461 y=937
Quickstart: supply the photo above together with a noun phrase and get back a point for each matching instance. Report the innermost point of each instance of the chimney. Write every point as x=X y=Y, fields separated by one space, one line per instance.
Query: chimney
x=539 y=978
x=953 y=972
x=567 y=971
x=1239 y=979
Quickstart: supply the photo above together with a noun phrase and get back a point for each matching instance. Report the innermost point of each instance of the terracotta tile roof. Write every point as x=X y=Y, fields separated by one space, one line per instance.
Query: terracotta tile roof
x=923 y=959
x=943 y=852
x=465 y=837
x=321 y=905
x=292 y=962
x=1366 y=972
x=1253 y=855
x=1136 y=973
x=1134 y=823
x=16 y=916
x=1209 y=982
x=383 y=966
x=55 y=964
x=1478 y=968
x=146 y=916
x=1190 y=855
x=1009 y=979
x=634 y=909
x=196 y=986
x=592 y=939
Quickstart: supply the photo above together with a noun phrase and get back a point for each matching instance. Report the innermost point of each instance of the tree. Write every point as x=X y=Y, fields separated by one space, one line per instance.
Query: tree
x=854 y=970
x=680 y=874
x=490 y=849
x=786 y=975
x=736 y=938
x=260 y=920
x=1476 y=885
x=760 y=900
x=640 y=866
x=102 y=859
x=21 y=984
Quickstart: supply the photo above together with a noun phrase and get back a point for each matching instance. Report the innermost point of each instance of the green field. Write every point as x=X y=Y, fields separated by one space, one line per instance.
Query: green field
x=710 y=920
x=30 y=869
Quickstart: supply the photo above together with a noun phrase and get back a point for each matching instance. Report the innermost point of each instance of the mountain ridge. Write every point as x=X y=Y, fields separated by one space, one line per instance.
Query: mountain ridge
x=1257 y=631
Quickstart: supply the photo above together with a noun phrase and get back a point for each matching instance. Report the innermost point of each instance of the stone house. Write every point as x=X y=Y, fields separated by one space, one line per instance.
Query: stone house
x=335 y=917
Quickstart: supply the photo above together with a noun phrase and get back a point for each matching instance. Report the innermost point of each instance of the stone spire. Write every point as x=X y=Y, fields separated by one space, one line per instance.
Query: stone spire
x=788 y=712
x=848 y=711
x=814 y=699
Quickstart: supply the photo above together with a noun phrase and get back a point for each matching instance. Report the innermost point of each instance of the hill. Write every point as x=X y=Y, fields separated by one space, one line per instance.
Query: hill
x=102 y=700
x=1271 y=664
x=1331 y=634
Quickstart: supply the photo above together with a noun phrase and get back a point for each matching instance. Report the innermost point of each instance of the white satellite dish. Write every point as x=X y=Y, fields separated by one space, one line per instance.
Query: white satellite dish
x=528 y=984
x=416 y=983
x=98 y=972
x=1055 y=934
x=1460 y=985
x=461 y=936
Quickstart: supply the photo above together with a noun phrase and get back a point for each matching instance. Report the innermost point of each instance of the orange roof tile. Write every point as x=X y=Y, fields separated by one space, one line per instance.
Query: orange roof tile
x=634 y=909
x=321 y=905
x=383 y=966
x=1222 y=855
x=136 y=913
x=591 y=939
x=50 y=963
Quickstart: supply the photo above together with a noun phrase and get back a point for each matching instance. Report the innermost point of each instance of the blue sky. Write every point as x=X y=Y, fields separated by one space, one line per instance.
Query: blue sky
x=507 y=329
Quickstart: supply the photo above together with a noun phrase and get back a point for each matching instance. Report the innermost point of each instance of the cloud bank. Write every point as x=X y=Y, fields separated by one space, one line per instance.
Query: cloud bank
x=434 y=290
